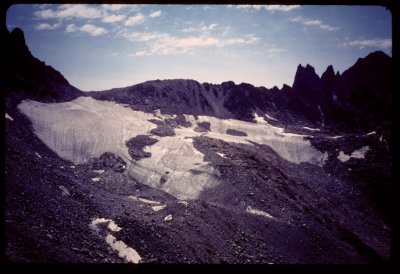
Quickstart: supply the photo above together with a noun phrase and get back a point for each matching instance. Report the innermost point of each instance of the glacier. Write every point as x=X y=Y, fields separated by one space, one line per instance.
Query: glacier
x=86 y=128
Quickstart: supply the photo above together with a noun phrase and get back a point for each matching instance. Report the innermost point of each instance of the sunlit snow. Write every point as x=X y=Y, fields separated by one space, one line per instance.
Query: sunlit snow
x=168 y=218
x=292 y=147
x=158 y=208
x=85 y=128
x=124 y=251
x=254 y=211
x=312 y=129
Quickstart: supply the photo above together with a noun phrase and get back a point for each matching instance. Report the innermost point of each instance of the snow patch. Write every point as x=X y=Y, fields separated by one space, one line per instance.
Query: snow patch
x=312 y=129
x=96 y=179
x=158 y=208
x=259 y=119
x=38 y=155
x=146 y=201
x=371 y=133
x=9 y=117
x=99 y=171
x=111 y=224
x=358 y=154
x=254 y=211
x=64 y=191
x=124 y=251
x=269 y=117
x=221 y=154
x=322 y=116
x=129 y=254
x=168 y=217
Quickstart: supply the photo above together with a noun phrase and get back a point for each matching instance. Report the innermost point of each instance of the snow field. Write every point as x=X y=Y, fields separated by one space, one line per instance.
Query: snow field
x=85 y=128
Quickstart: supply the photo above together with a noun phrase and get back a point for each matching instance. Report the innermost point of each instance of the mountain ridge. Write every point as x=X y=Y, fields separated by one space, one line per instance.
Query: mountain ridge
x=333 y=101
x=154 y=172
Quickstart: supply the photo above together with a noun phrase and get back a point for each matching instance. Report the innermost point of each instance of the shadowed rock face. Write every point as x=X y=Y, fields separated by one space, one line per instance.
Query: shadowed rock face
x=334 y=101
x=27 y=77
x=166 y=178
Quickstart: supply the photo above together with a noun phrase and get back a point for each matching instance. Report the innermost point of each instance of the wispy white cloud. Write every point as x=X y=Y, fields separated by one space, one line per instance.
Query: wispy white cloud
x=71 y=28
x=273 y=51
x=155 y=14
x=165 y=43
x=201 y=28
x=116 y=7
x=380 y=43
x=135 y=20
x=313 y=22
x=255 y=7
x=70 y=11
x=274 y=8
x=209 y=27
x=45 y=26
x=139 y=53
x=188 y=30
x=271 y=8
x=92 y=30
x=113 y=18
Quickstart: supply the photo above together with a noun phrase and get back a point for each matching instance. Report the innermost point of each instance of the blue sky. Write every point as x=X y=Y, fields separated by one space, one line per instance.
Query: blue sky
x=98 y=47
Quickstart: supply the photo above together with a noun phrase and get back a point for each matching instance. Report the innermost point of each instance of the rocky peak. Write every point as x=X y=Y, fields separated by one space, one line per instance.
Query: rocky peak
x=329 y=78
x=28 y=77
x=305 y=77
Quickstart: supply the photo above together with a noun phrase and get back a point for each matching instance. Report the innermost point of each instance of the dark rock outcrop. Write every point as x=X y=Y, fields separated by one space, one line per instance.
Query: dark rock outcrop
x=26 y=77
x=357 y=100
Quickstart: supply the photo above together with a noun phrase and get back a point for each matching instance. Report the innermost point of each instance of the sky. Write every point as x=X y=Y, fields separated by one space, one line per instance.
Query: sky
x=99 y=47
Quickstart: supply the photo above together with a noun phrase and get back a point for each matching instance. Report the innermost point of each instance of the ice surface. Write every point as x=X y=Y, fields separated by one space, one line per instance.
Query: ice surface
x=359 y=154
x=84 y=128
x=171 y=166
x=292 y=147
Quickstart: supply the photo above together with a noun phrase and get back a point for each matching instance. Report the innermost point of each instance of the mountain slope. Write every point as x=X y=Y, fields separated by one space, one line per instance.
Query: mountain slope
x=176 y=171
x=359 y=99
x=27 y=77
